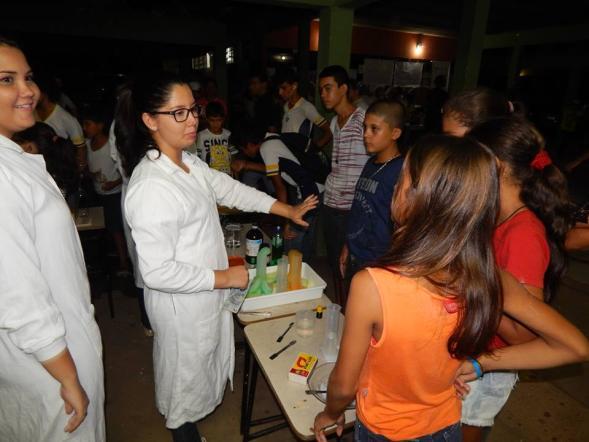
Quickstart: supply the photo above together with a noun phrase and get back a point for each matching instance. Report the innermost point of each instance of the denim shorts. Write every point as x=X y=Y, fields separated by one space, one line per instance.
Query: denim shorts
x=451 y=433
x=486 y=398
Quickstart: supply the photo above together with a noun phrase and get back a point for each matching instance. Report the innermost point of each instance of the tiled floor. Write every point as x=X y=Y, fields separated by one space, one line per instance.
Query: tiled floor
x=551 y=405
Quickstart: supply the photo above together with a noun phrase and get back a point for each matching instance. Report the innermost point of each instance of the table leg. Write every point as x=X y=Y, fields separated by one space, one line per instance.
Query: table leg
x=250 y=401
x=247 y=365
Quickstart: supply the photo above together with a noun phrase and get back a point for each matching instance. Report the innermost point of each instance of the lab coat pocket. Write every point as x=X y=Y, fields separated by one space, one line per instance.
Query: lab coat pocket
x=208 y=335
x=201 y=352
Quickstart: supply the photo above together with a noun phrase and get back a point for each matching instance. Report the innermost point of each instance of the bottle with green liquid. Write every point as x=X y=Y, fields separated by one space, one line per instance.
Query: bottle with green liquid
x=277 y=246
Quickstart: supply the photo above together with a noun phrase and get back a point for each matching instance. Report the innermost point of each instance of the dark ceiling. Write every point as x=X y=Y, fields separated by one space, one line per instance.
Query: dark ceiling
x=436 y=15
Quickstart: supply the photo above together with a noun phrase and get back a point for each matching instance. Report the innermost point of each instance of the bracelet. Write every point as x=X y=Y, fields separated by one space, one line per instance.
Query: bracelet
x=477 y=367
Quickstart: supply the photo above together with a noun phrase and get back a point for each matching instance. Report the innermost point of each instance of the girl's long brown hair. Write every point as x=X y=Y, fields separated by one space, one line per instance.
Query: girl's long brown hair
x=444 y=233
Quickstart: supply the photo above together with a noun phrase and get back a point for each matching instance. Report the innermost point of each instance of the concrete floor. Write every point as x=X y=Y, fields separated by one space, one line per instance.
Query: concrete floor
x=550 y=405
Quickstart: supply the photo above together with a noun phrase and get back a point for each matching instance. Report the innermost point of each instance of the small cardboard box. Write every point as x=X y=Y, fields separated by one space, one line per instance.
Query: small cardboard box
x=302 y=367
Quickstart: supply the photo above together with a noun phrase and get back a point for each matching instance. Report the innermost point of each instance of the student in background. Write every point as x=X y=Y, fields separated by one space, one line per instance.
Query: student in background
x=370 y=225
x=356 y=95
x=209 y=93
x=212 y=144
x=64 y=124
x=57 y=152
x=434 y=103
x=416 y=322
x=266 y=111
x=106 y=178
x=466 y=109
x=299 y=114
x=347 y=162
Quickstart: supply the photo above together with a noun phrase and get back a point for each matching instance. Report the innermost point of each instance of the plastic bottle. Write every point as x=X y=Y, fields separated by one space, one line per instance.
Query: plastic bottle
x=277 y=246
x=253 y=241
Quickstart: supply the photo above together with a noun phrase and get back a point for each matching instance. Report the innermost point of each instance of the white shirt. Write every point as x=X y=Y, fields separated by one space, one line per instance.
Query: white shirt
x=44 y=305
x=271 y=151
x=175 y=224
x=215 y=150
x=293 y=118
x=65 y=125
x=102 y=167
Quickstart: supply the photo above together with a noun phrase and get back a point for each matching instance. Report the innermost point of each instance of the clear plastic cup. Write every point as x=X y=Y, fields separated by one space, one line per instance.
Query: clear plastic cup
x=305 y=322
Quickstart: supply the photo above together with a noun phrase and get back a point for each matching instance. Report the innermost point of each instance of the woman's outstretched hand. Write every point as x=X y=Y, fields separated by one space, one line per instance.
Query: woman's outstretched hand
x=297 y=212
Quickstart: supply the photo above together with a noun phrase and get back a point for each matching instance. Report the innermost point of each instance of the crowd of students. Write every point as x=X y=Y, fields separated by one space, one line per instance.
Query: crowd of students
x=450 y=251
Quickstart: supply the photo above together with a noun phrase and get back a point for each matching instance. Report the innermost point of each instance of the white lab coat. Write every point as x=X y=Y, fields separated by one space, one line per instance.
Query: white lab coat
x=175 y=224
x=44 y=306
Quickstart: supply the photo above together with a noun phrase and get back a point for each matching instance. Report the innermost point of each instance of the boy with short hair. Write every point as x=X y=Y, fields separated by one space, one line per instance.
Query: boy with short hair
x=299 y=114
x=106 y=177
x=369 y=223
x=347 y=161
x=212 y=145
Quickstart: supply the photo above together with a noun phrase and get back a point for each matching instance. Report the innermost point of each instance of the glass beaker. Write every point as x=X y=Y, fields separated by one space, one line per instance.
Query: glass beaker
x=305 y=322
x=232 y=235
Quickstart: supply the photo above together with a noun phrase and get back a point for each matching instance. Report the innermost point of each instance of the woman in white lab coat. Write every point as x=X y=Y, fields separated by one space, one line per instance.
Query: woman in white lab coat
x=51 y=376
x=171 y=206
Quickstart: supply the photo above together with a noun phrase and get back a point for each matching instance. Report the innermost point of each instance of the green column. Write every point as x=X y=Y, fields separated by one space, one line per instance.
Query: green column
x=304 y=30
x=335 y=40
x=473 y=26
x=335 y=36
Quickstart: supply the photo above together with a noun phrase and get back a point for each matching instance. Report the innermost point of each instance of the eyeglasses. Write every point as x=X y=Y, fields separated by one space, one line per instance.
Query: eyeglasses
x=181 y=115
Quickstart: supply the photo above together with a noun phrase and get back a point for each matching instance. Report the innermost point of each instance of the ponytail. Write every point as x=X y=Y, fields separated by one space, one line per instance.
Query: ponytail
x=520 y=146
x=133 y=138
x=131 y=141
x=544 y=191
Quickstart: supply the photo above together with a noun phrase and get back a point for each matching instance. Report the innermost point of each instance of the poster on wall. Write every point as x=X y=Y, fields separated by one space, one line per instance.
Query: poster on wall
x=408 y=73
x=378 y=72
x=441 y=68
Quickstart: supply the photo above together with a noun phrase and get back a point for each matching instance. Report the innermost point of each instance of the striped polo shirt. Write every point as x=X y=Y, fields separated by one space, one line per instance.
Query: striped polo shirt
x=347 y=161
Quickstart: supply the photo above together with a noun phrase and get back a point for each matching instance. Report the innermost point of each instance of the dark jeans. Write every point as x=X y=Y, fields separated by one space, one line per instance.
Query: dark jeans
x=187 y=432
x=451 y=433
x=335 y=223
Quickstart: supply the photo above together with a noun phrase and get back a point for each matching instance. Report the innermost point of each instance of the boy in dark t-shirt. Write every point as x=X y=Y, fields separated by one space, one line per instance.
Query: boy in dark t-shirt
x=369 y=224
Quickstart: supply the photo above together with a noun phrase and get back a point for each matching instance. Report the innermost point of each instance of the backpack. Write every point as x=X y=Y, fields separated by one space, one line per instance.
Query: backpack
x=315 y=162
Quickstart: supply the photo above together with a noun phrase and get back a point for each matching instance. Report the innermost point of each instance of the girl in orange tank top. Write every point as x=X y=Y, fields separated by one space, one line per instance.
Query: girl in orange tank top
x=415 y=322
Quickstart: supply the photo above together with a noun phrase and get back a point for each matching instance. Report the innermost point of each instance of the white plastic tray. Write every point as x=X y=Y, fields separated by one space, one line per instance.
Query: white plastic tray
x=313 y=292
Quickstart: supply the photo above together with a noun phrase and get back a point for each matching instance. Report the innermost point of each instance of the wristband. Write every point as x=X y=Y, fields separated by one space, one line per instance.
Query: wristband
x=477 y=367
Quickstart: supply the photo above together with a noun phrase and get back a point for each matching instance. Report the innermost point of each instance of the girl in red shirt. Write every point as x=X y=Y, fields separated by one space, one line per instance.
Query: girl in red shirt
x=528 y=242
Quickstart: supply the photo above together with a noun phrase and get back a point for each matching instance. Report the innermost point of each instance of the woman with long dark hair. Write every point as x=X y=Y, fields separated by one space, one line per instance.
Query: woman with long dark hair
x=171 y=207
x=51 y=374
x=435 y=300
